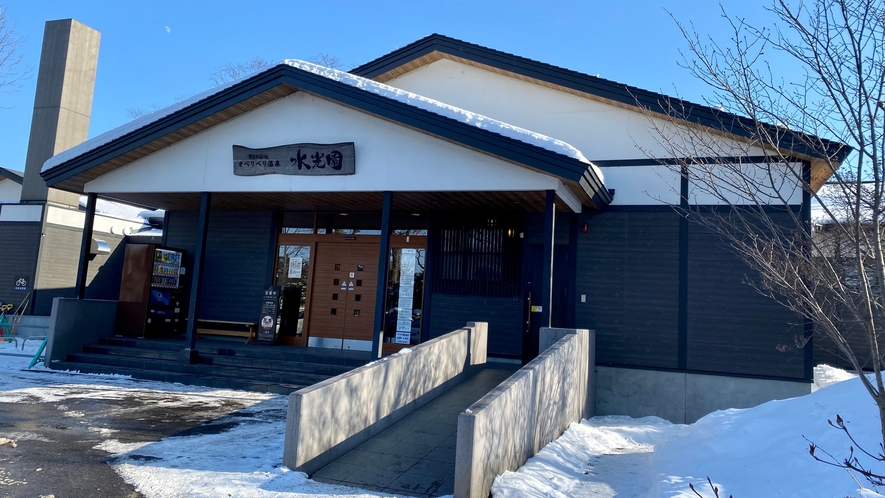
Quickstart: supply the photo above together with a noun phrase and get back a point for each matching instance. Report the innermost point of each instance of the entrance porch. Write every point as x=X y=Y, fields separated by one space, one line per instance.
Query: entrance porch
x=372 y=272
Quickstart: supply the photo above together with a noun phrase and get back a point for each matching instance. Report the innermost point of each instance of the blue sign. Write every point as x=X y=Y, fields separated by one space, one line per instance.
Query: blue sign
x=21 y=284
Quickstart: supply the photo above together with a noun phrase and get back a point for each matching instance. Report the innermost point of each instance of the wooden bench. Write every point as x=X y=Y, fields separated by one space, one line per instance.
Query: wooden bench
x=226 y=328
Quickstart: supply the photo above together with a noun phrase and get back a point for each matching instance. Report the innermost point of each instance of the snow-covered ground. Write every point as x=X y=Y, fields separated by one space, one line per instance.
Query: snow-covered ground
x=747 y=453
x=244 y=459
x=754 y=452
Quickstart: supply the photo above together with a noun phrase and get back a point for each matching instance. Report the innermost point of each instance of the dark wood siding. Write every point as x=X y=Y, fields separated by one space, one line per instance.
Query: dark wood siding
x=503 y=314
x=19 y=243
x=627 y=267
x=235 y=268
x=731 y=327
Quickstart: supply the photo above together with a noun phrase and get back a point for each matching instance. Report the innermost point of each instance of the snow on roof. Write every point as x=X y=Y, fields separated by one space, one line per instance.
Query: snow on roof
x=116 y=209
x=446 y=110
x=412 y=99
x=135 y=124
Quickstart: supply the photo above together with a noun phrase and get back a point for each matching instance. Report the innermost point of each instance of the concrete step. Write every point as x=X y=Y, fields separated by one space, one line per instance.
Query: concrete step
x=308 y=365
x=267 y=375
x=350 y=359
x=181 y=378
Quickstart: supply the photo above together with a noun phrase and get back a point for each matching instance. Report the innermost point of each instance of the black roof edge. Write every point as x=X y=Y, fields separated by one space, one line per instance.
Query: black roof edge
x=498 y=145
x=611 y=90
x=12 y=175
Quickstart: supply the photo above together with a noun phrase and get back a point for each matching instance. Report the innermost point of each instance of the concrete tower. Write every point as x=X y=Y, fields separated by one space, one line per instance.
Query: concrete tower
x=63 y=103
x=40 y=240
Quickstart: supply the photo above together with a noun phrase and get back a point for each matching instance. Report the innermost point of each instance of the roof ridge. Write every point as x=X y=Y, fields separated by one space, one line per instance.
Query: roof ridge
x=701 y=114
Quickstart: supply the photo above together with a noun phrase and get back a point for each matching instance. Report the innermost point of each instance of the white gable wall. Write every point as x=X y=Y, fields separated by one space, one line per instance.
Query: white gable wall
x=388 y=157
x=600 y=131
x=10 y=192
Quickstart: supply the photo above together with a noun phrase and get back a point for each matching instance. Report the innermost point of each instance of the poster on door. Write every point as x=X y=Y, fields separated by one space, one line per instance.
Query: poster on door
x=295 y=265
x=408 y=262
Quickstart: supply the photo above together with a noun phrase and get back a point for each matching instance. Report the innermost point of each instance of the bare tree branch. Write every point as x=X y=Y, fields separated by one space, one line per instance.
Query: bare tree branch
x=834 y=272
x=12 y=68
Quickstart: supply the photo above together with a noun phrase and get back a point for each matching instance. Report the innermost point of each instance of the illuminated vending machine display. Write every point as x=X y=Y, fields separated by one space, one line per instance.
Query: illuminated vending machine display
x=165 y=317
x=152 y=283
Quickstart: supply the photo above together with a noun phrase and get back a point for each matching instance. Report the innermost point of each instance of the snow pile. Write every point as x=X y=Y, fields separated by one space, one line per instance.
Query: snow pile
x=825 y=375
x=762 y=451
x=412 y=99
x=602 y=457
x=754 y=452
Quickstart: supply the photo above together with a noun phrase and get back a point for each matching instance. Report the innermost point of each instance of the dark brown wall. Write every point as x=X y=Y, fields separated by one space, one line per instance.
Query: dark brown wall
x=628 y=267
x=19 y=244
x=235 y=269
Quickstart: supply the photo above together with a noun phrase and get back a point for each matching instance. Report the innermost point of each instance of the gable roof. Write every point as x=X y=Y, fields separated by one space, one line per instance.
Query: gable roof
x=16 y=176
x=73 y=168
x=434 y=47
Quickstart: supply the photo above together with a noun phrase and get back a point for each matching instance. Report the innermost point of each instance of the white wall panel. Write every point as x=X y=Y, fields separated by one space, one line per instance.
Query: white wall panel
x=21 y=212
x=600 y=131
x=774 y=185
x=388 y=157
x=10 y=191
x=643 y=185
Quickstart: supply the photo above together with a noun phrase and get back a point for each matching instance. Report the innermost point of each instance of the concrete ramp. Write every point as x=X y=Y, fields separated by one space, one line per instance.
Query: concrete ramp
x=416 y=456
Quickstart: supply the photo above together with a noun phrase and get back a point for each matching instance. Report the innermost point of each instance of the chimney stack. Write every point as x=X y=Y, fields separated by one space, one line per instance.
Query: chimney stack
x=62 y=105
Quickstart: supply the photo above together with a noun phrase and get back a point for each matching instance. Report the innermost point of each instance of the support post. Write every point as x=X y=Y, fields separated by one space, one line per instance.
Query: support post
x=381 y=291
x=429 y=261
x=571 y=311
x=190 y=353
x=547 y=268
x=86 y=245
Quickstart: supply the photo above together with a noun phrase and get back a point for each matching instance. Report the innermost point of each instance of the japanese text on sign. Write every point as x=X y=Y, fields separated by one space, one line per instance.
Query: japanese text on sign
x=296 y=159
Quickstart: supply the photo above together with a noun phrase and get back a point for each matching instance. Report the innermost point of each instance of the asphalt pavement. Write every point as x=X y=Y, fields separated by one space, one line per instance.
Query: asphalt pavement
x=55 y=452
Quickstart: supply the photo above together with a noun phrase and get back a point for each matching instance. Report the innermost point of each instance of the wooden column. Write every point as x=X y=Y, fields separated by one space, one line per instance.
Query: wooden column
x=190 y=353
x=86 y=245
x=547 y=268
x=381 y=293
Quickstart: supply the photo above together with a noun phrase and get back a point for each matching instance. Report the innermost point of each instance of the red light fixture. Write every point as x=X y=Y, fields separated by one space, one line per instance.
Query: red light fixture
x=585 y=228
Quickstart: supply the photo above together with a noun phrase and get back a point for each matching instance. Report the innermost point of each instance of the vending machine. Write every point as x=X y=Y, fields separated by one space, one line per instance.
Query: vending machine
x=151 y=300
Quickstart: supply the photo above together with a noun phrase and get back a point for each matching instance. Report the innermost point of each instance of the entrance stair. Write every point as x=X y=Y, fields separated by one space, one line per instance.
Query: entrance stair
x=224 y=364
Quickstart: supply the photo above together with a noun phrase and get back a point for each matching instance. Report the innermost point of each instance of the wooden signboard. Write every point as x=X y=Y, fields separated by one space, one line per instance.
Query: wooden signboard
x=296 y=159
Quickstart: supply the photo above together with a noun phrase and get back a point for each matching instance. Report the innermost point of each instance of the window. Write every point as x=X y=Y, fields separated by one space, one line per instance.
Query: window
x=480 y=257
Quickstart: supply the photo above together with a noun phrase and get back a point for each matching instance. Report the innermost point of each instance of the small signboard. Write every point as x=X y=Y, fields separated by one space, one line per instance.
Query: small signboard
x=537 y=309
x=21 y=284
x=267 y=321
x=296 y=159
x=406 y=293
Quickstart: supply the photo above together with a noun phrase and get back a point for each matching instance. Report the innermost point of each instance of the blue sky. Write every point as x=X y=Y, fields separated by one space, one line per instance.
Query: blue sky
x=154 y=52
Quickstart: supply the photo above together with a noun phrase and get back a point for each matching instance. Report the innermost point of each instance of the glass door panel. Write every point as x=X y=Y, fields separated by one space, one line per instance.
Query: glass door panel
x=293 y=264
x=405 y=296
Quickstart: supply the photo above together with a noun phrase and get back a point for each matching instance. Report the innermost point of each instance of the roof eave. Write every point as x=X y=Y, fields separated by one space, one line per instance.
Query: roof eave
x=11 y=175
x=506 y=148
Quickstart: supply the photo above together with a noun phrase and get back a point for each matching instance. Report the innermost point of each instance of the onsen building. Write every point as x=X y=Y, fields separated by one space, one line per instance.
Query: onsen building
x=439 y=184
